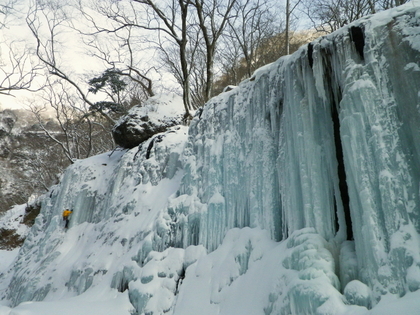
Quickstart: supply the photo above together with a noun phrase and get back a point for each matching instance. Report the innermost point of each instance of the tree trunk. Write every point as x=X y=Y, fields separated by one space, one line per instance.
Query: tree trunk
x=287 y=27
x=209 y=73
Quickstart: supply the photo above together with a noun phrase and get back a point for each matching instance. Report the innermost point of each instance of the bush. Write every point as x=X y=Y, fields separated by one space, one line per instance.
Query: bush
x=31 y=212
x=9 y=239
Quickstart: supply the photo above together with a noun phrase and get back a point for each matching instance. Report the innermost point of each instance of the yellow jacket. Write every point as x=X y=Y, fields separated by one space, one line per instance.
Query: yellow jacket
x=66 y=214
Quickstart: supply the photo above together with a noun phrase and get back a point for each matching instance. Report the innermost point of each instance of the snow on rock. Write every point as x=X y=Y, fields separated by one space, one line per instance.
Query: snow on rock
x=155 y=289
x=12 y=220
x=99 y=301
x=156 y=115
x=348 y=263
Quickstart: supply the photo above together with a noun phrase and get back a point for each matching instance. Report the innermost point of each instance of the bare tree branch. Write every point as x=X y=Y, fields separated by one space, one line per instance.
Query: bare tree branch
x=212 y=16
x=46 y=51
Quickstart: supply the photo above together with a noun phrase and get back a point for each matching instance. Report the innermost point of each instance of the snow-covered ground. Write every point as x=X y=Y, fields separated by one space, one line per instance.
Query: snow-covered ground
x=229 y=292
x=6 y=258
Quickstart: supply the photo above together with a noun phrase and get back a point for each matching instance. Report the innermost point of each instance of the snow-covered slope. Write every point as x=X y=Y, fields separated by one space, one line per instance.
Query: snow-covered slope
x=295 y=193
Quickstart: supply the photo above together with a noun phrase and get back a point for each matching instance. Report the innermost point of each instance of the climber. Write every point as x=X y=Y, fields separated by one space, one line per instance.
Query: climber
x=66 y=217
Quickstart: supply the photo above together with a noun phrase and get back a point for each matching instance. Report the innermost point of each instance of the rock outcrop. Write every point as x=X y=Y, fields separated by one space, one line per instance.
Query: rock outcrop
x=156 y=115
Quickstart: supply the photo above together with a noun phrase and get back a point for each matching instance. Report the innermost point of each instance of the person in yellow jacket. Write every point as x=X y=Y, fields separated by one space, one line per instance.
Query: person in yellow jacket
x=66 y=217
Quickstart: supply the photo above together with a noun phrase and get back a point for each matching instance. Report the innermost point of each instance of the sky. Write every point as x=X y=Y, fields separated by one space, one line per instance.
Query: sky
x=75 y=60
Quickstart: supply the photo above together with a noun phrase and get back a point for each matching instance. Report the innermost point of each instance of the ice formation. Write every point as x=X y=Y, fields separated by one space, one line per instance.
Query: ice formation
x=296 y=192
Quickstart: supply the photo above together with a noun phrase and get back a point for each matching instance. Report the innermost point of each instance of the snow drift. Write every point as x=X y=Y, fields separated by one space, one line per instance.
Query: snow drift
x=295 y=193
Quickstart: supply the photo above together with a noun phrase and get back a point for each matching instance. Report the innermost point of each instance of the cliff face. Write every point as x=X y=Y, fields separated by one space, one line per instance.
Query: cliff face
x=327 y=138
x=320 y=150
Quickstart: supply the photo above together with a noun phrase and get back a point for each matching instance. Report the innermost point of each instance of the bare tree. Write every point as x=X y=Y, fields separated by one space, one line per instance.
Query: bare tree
x=137 y=76
x=6 y=10
x=77 y=131
x=165 y=24
x=18 y=71
x=254 y=22
x=30 y=162
x=198 y=78
x=213 y=16
x=55 y=19
x=387 y=4
x=75 y=113
x=290 y=8
x=266 y=49
x=186 y=34
x=173 y=22
x=330 y=15
x=123 y=54
x=230 y=60
x=45 y=163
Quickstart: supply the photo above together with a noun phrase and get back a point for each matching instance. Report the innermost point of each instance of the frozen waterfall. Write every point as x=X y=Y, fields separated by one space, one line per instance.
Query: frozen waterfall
x=302 y=181
x=327 y=138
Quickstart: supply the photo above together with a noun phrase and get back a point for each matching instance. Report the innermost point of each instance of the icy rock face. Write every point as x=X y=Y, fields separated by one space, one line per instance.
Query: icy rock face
x=116 y=198
x=379 y=119
x=156 y=115
x=319 y=150
x=155 y=289
x=326 y=138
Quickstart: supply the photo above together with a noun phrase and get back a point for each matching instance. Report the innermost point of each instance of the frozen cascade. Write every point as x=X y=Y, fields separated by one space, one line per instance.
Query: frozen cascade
x=303 y=180
x=325 y=138
x=115 y=208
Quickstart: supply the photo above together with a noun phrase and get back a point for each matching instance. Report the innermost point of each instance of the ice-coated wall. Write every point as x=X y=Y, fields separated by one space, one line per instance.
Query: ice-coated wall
x=118 y=198
x=320 y=149
x=327 y=138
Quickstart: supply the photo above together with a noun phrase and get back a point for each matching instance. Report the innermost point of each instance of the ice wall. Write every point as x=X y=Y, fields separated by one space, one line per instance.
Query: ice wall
x=327 y=138
x=320 y=149
x=118 y=198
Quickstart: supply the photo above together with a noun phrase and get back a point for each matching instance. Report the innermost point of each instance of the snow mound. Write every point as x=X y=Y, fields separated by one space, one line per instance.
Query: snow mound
x=156 y=115
x=251 y=274
x=358 y=293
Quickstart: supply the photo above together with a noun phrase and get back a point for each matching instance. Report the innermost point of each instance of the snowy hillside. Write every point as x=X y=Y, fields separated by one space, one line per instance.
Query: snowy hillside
x=296 y=192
